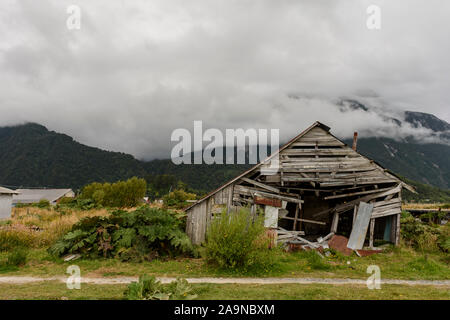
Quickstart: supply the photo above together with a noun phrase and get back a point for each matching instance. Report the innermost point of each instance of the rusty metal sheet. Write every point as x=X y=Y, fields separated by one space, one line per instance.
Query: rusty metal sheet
x=268 y=202
x=359 y=230
x=339 y=243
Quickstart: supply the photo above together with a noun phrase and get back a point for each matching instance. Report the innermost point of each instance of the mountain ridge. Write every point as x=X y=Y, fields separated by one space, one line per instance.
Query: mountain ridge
x=33 y=156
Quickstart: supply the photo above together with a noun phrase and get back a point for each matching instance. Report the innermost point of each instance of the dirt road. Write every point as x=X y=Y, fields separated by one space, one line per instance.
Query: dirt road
x=332 y=281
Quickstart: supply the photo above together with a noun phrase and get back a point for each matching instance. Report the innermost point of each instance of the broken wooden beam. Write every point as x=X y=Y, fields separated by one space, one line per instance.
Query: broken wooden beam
x=261 y=185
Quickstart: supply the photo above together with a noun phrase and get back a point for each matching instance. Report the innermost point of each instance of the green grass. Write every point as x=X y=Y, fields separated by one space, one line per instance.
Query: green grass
x=395 y=263
x=56 y=290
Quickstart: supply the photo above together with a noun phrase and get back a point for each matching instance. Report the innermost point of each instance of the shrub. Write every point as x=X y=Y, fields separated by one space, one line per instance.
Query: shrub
x=417 y=234
x=138 y=235
x=43 y=203
x=148 y=288
x=235 y=241
x=13 y=237
x=428 y=266
x=315 y=261
x=121 y=194
x=177 y=198
x=17 y=257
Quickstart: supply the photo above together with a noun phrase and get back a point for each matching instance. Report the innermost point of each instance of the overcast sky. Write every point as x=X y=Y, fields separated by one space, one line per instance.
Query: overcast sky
x=137 y=70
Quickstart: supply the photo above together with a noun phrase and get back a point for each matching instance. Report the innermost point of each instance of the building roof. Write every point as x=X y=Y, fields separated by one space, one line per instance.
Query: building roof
x=285 y=146
x=35 y=195
x=7 y=191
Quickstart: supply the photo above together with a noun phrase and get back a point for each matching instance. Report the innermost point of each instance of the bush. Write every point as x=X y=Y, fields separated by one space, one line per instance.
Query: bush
x=17 y=257
x=234 y=241
x=148 y=288
x=418 y=234
x=121 y=194
x=177 y=198
x=11 y=238
x=315 y=261
x=43 y=204
x=138 y=235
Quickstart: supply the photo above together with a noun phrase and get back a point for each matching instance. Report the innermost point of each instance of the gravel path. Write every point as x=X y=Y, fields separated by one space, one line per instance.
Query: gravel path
x=125 y=280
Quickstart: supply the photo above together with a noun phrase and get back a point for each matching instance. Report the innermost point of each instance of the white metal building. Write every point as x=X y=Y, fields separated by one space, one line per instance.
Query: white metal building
x=6 y=198
x=27 y=196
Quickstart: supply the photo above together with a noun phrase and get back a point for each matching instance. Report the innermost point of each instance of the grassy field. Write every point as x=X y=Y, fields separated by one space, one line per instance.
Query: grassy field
x=407 y=206
x=38 y=228
x=56 y=291
x=396 y=263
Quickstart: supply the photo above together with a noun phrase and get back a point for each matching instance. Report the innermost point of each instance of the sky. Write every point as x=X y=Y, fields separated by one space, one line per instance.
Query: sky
x=136 y=70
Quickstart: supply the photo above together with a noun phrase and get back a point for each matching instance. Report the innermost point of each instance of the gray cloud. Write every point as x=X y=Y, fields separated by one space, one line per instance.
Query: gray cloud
x=139 y=69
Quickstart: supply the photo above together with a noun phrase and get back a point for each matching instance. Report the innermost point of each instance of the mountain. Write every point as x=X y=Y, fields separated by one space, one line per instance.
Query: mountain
x=32 y=156
x=422 y=158
x=426 y=120
x=427 y=163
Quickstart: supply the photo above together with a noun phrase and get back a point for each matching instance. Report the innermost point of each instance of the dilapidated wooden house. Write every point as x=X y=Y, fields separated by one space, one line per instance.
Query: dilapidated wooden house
x=312 y=186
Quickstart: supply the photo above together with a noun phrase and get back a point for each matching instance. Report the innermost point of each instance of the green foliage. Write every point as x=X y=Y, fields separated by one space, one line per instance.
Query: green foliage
x=42 y=204
x=138 y=235
x=17 y=257
x=233 y=240
x=426 y=265
x=148 y=288
x=426 y=193
x=315 y=261
x=426 y=163
x=57 y=160
x=418 y=234
x=160 y=185
x=10 y=239
x=119 y=195
x=177 y=199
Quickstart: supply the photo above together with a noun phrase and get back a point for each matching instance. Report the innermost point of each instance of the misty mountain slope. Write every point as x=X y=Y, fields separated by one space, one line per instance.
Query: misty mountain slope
x=427 y=163
x=32 y=156
x=426 y=120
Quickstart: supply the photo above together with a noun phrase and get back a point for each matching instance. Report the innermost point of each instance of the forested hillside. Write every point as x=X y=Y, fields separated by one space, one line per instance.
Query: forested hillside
x=32 y=156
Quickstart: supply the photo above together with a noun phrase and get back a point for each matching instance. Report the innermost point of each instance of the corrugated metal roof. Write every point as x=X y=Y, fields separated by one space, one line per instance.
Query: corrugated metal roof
x=7 y=191
x=35 y=195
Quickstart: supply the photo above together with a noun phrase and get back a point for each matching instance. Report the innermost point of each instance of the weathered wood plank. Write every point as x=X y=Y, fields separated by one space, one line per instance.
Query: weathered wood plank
x=387 y=213
x=252 y=192
x=359 y=230
x=336 y=169
x=334 y=223
x=397 y=232
x=296 y=217
x=359 y=182
x=372 y=229
x=320 y=152
x=355 y=193
x=329 y=143
x=261 y=185
x=305 y=220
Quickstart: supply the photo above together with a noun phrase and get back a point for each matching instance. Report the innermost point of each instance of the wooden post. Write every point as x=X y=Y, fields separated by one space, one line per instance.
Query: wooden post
x=253 y=211
x=355 y=212
x=295 y=217
x=334 y=224
x=230 y=198
x=393 y=227
x=355 y=140
x=372 y=228
x=397 y=231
